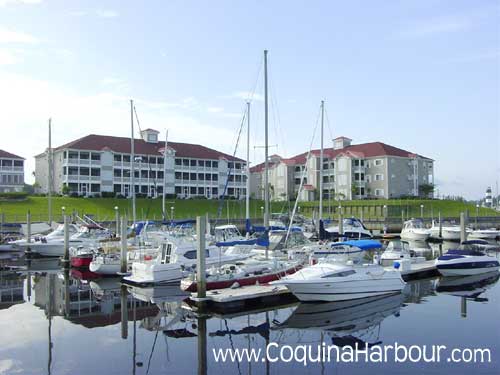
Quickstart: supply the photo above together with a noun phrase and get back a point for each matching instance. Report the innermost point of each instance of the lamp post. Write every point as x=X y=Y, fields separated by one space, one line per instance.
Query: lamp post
x=422 y=211
x=172 y=208
x=63 y=210
x=117 y=219
x=477 y=214
x=262 y=211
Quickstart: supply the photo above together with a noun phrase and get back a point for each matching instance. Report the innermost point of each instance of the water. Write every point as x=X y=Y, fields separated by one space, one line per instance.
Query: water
x=44 y=331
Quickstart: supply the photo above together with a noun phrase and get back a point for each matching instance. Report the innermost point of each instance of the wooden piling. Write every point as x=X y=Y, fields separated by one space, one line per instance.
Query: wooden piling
x=124 y=312
x=341 y=222
x=463 y=235
x=440 y=225
x=200 y=259
x=28 y=228
x=202 y=345
x=66 y=240
x=123 y=247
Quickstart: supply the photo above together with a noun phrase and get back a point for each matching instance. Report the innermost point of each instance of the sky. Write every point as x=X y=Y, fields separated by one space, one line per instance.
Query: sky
x=422 y=75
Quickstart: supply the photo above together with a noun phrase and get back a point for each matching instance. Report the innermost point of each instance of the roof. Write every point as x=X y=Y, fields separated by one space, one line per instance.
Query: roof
x=5 y=154
x=94 y=142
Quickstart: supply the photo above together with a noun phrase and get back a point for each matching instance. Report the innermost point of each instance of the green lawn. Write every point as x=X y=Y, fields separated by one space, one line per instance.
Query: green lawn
x=103 y=208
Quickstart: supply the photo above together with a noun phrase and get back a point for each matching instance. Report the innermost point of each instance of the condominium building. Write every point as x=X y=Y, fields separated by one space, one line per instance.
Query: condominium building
x=96 y=163
x=360 y=171
x=11 y=172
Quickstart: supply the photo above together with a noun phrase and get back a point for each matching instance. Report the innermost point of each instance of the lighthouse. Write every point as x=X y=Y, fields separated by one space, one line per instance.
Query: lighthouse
x=488 y=201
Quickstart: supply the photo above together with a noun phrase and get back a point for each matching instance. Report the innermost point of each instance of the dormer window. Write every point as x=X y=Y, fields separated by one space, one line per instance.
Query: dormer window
x=150 y=135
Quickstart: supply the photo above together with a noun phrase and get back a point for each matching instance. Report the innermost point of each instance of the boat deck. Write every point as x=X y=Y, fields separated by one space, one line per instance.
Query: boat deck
x=419 y=270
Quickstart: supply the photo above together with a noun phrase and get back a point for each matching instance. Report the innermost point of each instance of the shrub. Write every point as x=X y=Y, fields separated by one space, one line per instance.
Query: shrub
x=108 y=194
x=14 y=195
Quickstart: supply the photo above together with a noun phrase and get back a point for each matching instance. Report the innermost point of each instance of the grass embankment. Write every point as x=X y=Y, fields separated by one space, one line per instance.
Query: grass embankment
x=103 y=208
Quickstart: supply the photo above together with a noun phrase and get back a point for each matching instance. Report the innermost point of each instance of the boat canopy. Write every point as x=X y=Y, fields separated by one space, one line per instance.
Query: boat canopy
x=260 y=241
x=362 y=244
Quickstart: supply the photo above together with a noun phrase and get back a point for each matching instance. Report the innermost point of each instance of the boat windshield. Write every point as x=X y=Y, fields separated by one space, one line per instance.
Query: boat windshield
x=226 y=233
x=415 y=224
x=352 y=223
x=398 y=246
x=277 y=240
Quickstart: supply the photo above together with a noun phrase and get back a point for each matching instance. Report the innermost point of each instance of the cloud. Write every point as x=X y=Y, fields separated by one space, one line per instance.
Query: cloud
x=28 y=2
x=8 y=58
x=106 y=13
x=246 y=95
x=16 y=37
x=215 y=109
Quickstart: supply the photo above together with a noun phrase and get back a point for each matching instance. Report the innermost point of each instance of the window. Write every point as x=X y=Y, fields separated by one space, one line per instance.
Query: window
x=117 y=157
x=325 y=179
x=230 y=191
x=144 y=189
x=237 y=166
x=18 y=163
x=159 y=174
x=65 y=171
x=379 y=192
x=73 y=171
x=340 y=274
x=368 y=178
x=192 y=163
x=152 y=174
x=215 y=177
x=152 y=160
x=192 y=190
x=208 y=177
x=230 y=165
x=178 y=190
x=126 y=173
x=215 y=191
x=84 y=171
x=185 y=162
x=215 y=164
x=378 y=162
x=126 y=158
x=117 y=188
x=178 y=162
x=152 y=137
x=208 y=163
x=160 y=160
x=178 y=175
x=201 y=176
x=84 y=155
x=95 y=172
x=95 y=156
x=325 y=166
x=379 y=177
x=192 y=176
x=95 y=188
x=73 y=154
x=201 y=191
x=144 y=174
x=185 y=176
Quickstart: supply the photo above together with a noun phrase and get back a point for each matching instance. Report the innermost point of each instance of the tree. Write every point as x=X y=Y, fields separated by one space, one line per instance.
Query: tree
x=426 y=189
x=65 y=189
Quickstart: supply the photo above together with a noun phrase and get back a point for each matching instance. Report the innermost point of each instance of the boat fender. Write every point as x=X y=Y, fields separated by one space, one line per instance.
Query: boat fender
x=397 y=265
x=235 y=285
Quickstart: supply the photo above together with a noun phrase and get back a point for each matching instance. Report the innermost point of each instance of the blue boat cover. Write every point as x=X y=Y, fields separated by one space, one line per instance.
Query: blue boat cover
x=260 y=241
x=362 y=244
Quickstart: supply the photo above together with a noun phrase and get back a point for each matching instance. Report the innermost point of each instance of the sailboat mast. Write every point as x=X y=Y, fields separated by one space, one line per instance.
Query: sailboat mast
x=247 y=197
x=164 y=177
x=266 y=148
x=49 y=173
x=321 y=163
x=132 y=158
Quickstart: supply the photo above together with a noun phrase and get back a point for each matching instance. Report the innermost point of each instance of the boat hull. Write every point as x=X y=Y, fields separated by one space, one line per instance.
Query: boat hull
x=464 y=266
x=417 y=236
x=81 y=261
x=191 y=286
x=104 y=268
x=331 y=291
x=152 y=273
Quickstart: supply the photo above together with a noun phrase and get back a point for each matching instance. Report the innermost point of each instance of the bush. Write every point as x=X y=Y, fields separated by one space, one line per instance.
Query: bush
x=74 y=194
x=140 y=195
x=14 y=195
x=108 y=194
x=120 y=196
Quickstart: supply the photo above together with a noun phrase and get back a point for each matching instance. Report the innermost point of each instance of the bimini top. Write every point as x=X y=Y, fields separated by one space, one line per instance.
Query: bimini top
x=362 y=244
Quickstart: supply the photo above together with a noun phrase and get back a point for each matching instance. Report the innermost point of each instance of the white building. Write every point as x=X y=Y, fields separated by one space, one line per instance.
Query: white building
x=11 y=172
x=97 y=164
x=368 y=170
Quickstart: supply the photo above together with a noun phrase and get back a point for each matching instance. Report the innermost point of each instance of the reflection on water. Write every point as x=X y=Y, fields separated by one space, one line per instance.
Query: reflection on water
x=63 y=324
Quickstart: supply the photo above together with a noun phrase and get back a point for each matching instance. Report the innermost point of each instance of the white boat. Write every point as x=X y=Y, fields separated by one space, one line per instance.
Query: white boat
x=484 y=234
x=467 y=286
x=87 y=236
x=337 y=281
x=175 y=261
x=347 y=250
x=56 y=235
x=397 y=251
x=466 y=260
x=351 y=228
x=110 y=263
x=414 y=229
x=449 y=231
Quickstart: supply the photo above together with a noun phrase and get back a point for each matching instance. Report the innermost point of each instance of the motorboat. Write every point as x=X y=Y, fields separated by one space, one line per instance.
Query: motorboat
x=56 y=235
x=466 y=260
x=484 y=234
x=81 y=257
x=351 y=228
x=253 y=271
x=330 y=280
x=398 y=251
x=449 y=231
x=109 y=263
x=414 y=229
x=87 y=236
x=352 y=249
x=174 y=261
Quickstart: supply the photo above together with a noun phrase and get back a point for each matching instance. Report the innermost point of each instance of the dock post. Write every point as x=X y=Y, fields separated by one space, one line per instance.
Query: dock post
x=341 y=223
x=200 y=258
x=123 y=247
x=124 y=312
x=361 y=214
x=66 y=241
x=28 y=228
x=463 y=307
x=440 y=225
x=463 y=236
x=2 y=221
x=202 y=345
x=403 y=215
